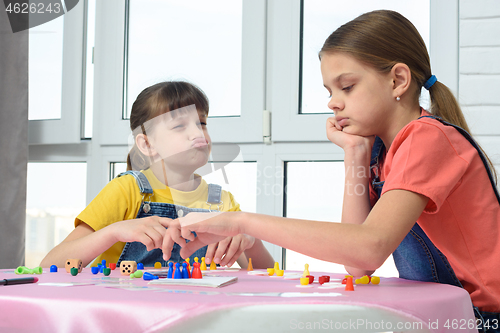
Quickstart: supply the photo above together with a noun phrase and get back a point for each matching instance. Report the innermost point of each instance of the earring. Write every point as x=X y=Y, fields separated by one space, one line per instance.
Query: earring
x=398 y=98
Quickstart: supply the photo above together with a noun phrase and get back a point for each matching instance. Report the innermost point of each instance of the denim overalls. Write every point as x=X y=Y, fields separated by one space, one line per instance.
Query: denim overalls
x=417 y=258
x=136 y=251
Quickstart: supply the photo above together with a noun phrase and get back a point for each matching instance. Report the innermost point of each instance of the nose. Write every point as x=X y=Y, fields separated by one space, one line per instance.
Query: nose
x=336 y=103
x=195 y=131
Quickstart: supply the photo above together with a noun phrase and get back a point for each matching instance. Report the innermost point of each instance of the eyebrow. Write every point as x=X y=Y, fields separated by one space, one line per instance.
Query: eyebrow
x=340 y=77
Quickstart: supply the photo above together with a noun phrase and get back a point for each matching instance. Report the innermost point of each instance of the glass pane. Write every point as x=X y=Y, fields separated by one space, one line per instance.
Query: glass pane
x=52 y=204
x=196 y=40
x=322 y=17
x=45 y=70
x=239 y=178
x=315 y=191
x=89 y=68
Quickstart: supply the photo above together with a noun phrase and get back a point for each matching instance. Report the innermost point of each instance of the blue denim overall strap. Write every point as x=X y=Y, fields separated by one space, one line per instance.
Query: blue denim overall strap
x=136 y=251
x=416 y=257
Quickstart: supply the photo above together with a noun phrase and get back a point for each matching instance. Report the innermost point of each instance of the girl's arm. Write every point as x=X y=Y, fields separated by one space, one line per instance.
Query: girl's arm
x=365 y=245
x=86 y=244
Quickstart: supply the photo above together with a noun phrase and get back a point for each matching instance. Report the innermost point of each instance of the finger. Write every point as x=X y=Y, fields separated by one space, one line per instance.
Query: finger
x=232 y=251
x=235 y=257
x=210 y=253
x=166 y=222
x=188 y=249
x=221 y=249
x=187 y=234
x=193 y=218
x=156 y=238
x=170 y=237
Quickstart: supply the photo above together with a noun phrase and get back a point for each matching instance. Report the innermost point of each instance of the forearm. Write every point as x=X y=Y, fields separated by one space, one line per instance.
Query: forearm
x=322 y=240
x=261 y=258
x=86 y=248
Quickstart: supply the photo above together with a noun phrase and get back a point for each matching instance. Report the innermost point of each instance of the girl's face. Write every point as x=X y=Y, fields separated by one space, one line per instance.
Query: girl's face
x=181 y=139
x=359 y=95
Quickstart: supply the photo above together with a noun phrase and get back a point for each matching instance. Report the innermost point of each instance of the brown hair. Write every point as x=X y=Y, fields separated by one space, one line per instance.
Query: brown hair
x=383 y=38
x=156 y=100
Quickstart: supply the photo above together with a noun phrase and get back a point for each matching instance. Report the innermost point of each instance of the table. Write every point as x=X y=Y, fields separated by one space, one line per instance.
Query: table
x=252 y=304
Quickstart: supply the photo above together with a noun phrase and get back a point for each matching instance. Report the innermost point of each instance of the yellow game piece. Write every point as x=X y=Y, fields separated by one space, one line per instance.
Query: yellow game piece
x=363 y=280
x=188 y=265
x=304 y=281
x=375 y=280
x=250 y=267
x=306 y=270
x=213 y=266
x=280 y=272
x=195 y=259
x=270 y=271
x=203 y=265
x=276 y=266
x=157 y=265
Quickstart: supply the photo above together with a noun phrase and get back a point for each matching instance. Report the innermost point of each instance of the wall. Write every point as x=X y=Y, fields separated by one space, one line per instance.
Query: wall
x=479 y=71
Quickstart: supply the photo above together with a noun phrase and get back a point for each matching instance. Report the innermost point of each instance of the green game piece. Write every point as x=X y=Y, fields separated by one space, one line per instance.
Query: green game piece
x=74 y=271
x=136 y=274
x=106 y=271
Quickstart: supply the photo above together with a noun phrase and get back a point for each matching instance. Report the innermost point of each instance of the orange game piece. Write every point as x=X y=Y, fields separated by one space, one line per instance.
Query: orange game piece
x=348 y=285
x=250 y=267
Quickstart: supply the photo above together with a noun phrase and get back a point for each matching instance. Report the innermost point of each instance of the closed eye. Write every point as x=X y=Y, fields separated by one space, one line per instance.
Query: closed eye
x=348 y=88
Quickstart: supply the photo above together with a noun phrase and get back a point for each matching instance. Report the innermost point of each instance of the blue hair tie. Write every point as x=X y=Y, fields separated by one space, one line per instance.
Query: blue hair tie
x=428 y=84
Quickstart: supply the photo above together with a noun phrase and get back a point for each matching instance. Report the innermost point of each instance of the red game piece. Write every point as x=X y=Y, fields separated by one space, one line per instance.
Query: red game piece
x=112 y=266
x=348 y=285
x=323 y=279
x=196 y=271
x=311 y=278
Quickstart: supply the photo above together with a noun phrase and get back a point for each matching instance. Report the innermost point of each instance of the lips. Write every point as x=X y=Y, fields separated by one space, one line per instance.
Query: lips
x=342 y=121
x=200 y=142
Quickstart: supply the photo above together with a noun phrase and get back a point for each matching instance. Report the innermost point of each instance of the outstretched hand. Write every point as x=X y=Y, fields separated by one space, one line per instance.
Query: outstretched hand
x=209 y=228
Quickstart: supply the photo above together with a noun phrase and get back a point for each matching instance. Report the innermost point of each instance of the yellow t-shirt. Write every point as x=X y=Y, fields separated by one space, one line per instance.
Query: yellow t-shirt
x=121 y=199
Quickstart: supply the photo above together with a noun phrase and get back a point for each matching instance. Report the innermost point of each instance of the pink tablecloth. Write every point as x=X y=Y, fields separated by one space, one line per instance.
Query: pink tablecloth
x=92 y=308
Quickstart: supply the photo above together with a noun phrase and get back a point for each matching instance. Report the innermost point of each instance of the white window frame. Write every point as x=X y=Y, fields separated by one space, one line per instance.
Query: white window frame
x=67 y=129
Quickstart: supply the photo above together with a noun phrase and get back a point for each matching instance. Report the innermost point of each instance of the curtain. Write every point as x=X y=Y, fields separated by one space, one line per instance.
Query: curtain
x=13 y=142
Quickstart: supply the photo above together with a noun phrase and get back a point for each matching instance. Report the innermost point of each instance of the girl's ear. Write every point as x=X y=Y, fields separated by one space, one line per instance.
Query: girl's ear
x=401 y=76
x=142 y=142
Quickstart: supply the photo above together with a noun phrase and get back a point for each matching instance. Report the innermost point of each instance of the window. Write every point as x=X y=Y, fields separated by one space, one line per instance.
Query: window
x=56 y=195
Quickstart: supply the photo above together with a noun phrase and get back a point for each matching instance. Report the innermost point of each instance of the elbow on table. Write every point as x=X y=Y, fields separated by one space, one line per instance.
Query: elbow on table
x=374 y=255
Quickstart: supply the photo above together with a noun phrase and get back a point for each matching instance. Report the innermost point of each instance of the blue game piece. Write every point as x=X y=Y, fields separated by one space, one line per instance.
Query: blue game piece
x=53 y=269
x=104 y=263
x=140 y=266
x=170 y=270
x=185 y=274
x=94 y=269
x=148 y=276
x=177 y=273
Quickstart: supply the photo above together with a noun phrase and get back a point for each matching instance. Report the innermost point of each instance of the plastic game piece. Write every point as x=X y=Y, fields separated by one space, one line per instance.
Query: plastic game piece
x=137 y=274
x=74 y=271
x=363 y=280
x=270 y=271
x=304 y=281
x=157 y=265
x=375 y=280
x=306 y=270
x=101 y=267
x=140 y=265
x=188 y=264
x=104 y=263
x=213 y=266
x=185 y=272
x=280 y=272
x=94 y=270
x=196 y=271
x=324 y=278
x=170 y=270
x=177 y=273
x=26 y=270
x=128 y=267
x=344 y=280
x=311 y=278
x=76 y=263
x=348 y=285
x=148 y=276
x=112 y=266
x=53 y=269
x=276 y=266
x=249 y=267
x=106 y=271
x=203 y=265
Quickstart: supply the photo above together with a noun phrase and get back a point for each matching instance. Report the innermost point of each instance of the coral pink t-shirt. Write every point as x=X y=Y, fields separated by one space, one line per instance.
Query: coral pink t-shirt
x=462 y=217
